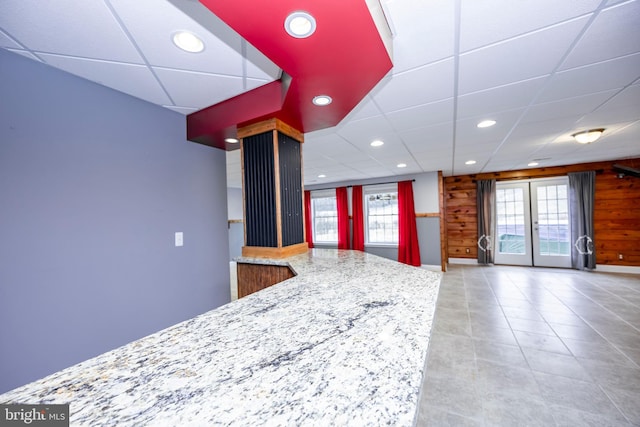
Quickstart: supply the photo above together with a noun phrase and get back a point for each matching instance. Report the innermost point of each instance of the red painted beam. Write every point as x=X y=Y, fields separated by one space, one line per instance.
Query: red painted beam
x=345 y=58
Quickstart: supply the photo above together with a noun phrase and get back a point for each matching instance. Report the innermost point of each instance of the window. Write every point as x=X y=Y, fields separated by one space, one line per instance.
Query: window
x=324 y=212
x=381 y=215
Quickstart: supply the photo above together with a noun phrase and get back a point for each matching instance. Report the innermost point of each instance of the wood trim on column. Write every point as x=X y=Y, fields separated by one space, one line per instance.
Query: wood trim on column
x=263 y=252
x=244 y=197
x=444 y=257
x=276 y=183
x=270 y=124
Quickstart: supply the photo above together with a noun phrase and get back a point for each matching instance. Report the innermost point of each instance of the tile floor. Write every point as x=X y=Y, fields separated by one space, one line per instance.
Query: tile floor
x=517 y=346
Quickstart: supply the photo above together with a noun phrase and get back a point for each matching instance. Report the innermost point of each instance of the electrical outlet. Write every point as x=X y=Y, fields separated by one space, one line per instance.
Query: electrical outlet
x=620 y=256
x=179 y=238
x=468 y=250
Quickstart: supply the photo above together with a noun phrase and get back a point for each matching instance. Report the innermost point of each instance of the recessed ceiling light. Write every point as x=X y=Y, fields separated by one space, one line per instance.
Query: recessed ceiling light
x=322 y=100
x=402 y=165
x=377 y=143
x=231 y=140
x=533 y=164
x=588 y=136
x=322 y=175
x=486 y=123
x=470 y=162
x=300 y=25
x=188 y=42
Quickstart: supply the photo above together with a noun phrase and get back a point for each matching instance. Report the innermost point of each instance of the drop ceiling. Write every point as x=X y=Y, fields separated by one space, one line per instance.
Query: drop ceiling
x=542 y=69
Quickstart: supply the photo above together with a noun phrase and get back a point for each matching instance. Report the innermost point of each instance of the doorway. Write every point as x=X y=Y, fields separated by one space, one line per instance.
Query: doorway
x=533 y=223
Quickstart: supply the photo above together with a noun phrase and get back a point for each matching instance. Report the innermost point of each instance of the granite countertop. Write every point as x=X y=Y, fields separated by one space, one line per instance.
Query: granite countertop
x=343 y=343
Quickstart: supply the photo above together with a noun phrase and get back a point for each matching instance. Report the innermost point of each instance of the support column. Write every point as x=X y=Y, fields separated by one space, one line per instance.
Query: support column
x=273 y=192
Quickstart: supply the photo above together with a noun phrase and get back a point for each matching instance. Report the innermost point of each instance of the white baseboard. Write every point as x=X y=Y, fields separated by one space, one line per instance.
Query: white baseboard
x=617 y=269
x=468 y=261
x=431 y=267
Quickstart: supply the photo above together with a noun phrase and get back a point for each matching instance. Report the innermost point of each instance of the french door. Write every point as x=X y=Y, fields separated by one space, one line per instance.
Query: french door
x=532 y=223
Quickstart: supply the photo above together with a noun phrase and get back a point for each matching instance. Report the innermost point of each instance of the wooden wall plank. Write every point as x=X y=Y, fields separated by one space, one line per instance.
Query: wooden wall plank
x=616 y=213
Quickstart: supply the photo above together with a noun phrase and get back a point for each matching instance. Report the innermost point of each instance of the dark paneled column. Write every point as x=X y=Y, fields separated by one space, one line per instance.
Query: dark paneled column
x=272 y=190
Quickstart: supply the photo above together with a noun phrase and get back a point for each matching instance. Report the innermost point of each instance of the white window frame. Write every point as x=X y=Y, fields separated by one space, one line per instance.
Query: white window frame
x=368 y=191
x=322 y=194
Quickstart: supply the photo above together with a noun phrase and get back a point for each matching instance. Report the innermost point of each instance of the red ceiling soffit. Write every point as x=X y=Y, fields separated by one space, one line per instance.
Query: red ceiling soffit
x=345 y=58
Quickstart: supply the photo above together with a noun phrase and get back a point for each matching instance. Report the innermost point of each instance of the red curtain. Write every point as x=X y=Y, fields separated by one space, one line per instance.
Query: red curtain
x=343 y=217
x=358 y=218
x=307 y=218
x=408 y=249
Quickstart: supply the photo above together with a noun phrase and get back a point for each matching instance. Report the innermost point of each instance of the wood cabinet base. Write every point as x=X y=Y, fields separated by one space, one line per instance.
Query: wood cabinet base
x=255 y=277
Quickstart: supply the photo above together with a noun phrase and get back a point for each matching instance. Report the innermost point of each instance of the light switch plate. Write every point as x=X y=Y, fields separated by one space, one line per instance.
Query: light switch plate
x=179 y=238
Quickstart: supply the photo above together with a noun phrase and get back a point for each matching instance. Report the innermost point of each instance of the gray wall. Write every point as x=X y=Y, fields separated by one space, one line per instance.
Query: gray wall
x=93 y=186
x=425 y=199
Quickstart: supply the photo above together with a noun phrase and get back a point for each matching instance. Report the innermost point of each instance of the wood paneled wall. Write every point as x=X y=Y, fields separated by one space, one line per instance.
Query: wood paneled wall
x=256 y=277
x=616 y=217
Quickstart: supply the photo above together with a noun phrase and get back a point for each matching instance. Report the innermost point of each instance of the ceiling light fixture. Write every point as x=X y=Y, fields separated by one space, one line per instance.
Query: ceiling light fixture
x=300 y=25
x=533 y=164
x=231 y=140
x=188 y=42
x=402 y=165
x=322 y=175
x=322 y=100
x=470 y=162
x=486 y=123
x=588 y=136
x=377 y=143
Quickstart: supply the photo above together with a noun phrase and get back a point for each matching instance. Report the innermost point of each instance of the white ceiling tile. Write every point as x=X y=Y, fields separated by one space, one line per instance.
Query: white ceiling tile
x=25 y=53
x=8 y=43
x=422 y=115
x=362 y=132
x=420 y=86
x=364 y=110
x=77 y=28
x=424 y=33
x=533 y=55
x=488 y=21
x=612 y=74
x=136 y=80
x=599 y=43
x=153 y=35
x=422 y=139
x=181 y=110
x=468 y=133
x=572 y=108
x=508 y=97
x=198 y=90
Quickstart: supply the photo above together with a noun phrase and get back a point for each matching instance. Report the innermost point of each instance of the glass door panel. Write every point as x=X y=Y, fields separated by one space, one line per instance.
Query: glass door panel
x=551 y=226
x=513 y=224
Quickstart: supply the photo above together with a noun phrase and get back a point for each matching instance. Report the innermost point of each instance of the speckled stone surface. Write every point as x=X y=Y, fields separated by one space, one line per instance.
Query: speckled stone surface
x=342 y=344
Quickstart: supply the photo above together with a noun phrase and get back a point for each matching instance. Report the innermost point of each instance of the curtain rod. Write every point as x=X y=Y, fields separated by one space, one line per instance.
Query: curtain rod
x=348 y=186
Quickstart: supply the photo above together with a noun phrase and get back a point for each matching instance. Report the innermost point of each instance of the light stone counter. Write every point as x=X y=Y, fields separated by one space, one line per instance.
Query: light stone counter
x=343 y=343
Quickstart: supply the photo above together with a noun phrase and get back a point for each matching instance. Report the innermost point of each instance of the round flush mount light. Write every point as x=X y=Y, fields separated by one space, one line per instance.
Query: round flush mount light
x=402 y=165
x=486 y=123
x=322 y=100
x=188 y=42
x=588 y=136
x=231 y=140
x=470 y=162
x=533 y=164
x=377 y=143
x=300 y=25
x=322 y=175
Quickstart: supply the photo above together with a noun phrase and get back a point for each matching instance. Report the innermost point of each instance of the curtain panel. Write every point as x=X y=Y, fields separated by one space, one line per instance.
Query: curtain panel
x=486 y=202
x=308 y=226
x=342 y=201
x=408 y=248
x=582 y=191
x=358 y=217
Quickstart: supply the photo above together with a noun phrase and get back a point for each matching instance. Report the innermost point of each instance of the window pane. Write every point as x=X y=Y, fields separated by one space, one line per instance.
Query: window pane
x=382 y=218
x=325 y=220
